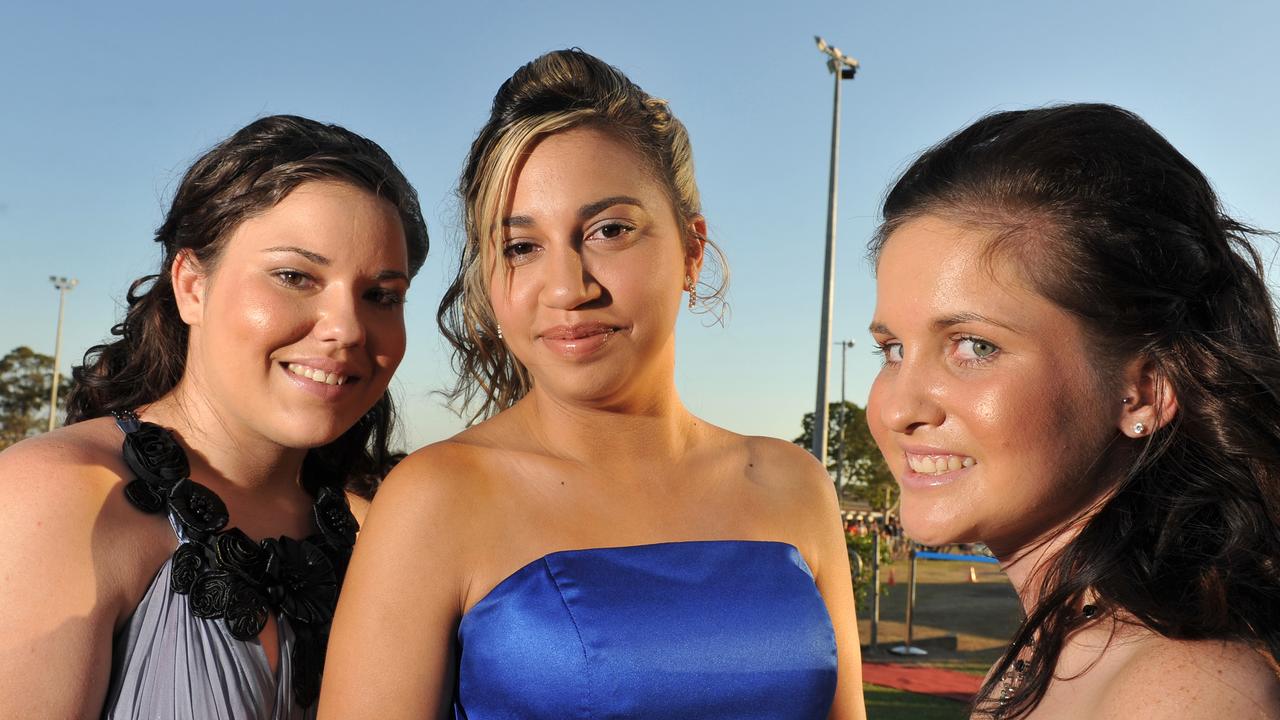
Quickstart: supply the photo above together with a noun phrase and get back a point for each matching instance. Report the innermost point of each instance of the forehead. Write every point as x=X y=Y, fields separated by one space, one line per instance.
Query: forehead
x=329 y=216
x=931 y=267
x=581 y=164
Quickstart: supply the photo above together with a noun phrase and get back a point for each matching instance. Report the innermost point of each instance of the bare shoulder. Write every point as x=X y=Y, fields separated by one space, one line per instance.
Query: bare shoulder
x=435 y=494
x=791 y=467
x=60 y=476
x=1194 y=679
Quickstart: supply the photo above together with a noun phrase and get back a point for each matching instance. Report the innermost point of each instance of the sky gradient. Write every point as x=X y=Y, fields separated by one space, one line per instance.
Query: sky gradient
x=104 y=106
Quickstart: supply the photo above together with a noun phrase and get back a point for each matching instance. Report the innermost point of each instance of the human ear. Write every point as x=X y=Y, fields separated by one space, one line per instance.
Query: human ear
x=189 y=280
x=695 y=245
x=1149 y=401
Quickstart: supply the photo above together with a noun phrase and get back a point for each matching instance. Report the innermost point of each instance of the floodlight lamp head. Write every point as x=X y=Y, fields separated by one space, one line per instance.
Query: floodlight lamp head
x=822 y=44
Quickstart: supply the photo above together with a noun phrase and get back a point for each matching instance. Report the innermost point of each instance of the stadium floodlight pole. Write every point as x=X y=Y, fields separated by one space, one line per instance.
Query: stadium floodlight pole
x=63 y=286
x=843 y=68
x=844 y=357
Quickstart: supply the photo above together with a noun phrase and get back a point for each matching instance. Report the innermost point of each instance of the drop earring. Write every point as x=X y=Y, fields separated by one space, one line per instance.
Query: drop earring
x=693 y=292
x=499 y=331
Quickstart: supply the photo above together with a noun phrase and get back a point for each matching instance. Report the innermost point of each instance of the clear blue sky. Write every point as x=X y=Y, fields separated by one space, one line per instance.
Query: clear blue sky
x=103 y=105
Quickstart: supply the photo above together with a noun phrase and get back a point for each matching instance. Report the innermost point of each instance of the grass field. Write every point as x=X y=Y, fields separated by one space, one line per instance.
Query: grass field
x=981 y=616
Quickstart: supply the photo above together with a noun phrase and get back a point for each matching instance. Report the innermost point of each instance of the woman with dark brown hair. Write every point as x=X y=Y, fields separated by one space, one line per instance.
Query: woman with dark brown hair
x=246 y=390
x=1081 y=370
x=592 y=548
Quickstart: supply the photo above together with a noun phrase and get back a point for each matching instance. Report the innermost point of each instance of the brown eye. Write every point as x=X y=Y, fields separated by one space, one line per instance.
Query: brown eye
x=292 y=278
x=612 y=231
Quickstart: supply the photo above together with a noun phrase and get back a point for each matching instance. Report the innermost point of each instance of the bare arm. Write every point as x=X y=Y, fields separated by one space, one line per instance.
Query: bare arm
x=58 y=602
x=390 y=651
x=836 y=585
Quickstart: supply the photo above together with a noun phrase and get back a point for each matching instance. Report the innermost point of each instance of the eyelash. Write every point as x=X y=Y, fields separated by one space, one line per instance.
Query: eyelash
x=883 y=349
x=298 y=280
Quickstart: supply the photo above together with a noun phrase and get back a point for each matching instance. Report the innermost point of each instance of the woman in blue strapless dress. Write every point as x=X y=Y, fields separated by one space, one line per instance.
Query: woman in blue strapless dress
x=591 y=549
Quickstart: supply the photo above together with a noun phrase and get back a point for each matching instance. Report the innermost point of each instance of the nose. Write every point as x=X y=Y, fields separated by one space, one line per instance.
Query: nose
x=339 y=320
x=567 y=283
x=909 y=398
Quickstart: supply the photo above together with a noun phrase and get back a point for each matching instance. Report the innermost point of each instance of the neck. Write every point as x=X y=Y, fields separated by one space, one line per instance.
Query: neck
x=222 y=450
x=656 y=428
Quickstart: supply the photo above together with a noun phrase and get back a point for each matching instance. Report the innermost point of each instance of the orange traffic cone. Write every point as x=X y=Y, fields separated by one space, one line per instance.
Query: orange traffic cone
x=973 y=575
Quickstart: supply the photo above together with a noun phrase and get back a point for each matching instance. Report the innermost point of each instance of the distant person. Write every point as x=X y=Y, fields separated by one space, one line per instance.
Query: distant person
x=591 y=549
x=1081 y=371
x=176 y=551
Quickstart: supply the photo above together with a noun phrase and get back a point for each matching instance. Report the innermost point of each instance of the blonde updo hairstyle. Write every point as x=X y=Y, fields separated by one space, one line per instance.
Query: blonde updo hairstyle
x=555 y=92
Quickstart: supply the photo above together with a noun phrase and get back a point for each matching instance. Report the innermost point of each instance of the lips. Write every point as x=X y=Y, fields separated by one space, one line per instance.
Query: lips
x=579 y=340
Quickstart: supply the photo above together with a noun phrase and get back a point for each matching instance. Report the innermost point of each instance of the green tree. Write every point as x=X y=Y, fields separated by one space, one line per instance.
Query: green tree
x=862 y=470
x=24 y=394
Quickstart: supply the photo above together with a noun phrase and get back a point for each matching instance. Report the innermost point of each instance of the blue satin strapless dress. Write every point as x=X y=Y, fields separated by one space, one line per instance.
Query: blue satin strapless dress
x=711 y=630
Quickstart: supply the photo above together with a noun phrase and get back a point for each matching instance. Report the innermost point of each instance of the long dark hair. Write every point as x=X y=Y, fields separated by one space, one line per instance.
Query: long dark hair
x=245 y=174
x=552 y=93
x=1115 y=226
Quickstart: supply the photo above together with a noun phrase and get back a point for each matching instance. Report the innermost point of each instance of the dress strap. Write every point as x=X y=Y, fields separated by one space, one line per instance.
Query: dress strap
x=126 y=420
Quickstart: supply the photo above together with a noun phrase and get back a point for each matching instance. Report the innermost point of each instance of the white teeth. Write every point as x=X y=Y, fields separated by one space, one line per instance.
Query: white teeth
x=939 y=464
x=317 y=375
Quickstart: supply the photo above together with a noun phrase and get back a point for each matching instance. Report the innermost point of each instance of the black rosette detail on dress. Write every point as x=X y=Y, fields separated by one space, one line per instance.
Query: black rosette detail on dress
x=197 y=508
x=227 y=576
x=301 y=580
x=246 y=612
x=334 y=519
x=185 y=568
x=235 y=552
x=153 y=454
x=210 y=593
x=144 y=496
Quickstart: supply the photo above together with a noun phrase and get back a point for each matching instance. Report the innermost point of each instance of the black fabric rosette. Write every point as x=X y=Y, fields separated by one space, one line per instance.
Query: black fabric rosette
x=334 y=519
x=246 y=612
x=154 y=455
x=197 y=508
x=210 y=593
x=302 y=578
x=187 y=565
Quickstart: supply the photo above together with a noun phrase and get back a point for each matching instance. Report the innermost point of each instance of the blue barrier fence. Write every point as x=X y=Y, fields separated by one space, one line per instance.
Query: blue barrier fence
x=961 y=558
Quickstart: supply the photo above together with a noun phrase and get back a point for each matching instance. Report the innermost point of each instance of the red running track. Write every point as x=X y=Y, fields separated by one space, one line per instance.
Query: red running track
x=949 y=684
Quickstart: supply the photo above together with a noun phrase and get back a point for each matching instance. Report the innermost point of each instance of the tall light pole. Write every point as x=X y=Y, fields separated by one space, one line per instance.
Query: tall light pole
x=63 y=286
x=844 y=356
x=843 y=68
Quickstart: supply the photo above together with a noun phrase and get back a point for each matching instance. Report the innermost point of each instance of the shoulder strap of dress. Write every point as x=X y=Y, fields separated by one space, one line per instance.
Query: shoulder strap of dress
x=126 y=420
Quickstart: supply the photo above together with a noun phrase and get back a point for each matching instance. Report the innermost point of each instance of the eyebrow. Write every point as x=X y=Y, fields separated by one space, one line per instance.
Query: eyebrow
x=946 y=321
x=316 y=258
x=584 y=212
x=319 y=259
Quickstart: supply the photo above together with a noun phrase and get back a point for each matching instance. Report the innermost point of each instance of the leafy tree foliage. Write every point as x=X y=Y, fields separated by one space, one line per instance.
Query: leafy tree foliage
x=862 y=470
x=24 y=394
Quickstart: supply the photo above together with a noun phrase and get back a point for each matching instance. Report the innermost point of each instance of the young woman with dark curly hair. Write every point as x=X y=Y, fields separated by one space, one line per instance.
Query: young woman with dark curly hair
x=1081 y=370
x=246 y=394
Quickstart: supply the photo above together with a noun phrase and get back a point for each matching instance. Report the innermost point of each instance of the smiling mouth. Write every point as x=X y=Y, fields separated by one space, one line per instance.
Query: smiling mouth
x=318 y=375
x=938 y=464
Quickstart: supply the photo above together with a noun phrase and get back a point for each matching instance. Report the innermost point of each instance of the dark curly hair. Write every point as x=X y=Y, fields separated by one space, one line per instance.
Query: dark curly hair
x=245 y=174
x=1118 y=228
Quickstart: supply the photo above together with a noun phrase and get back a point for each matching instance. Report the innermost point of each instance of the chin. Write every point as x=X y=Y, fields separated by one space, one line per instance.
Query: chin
x=928 y=524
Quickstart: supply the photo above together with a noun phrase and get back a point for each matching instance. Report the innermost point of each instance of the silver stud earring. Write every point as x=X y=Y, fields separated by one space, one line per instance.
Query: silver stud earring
x=1126 y=401
x=693 y=291
x=1139 y=428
